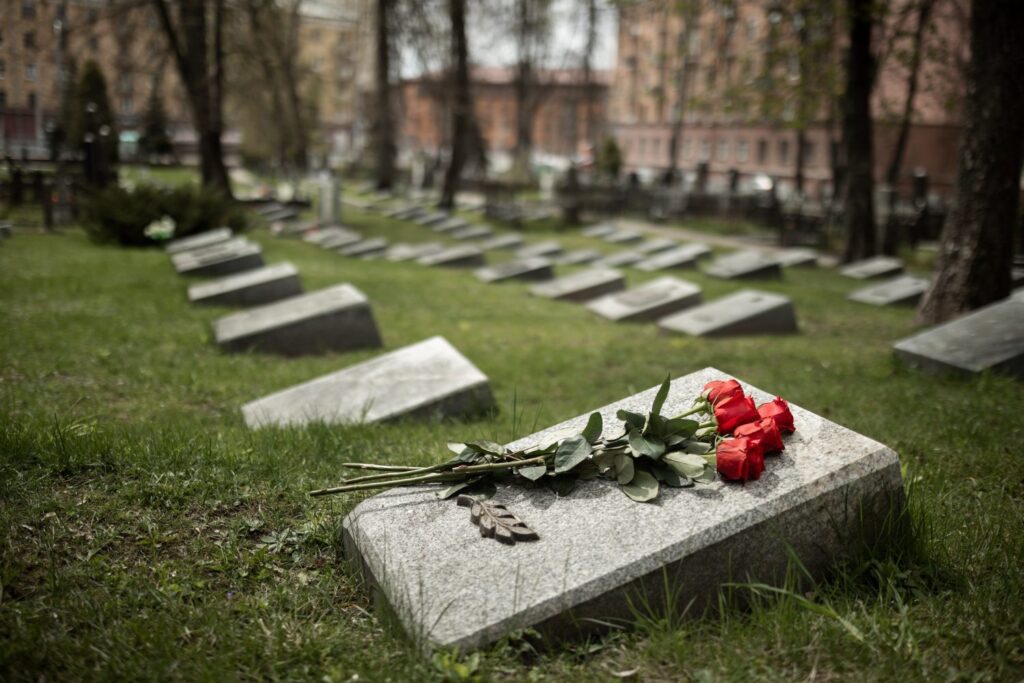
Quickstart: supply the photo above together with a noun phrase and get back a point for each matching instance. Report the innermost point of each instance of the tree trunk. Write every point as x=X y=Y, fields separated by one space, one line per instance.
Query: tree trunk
x=590 y=136
x=384 y=132
x=461 y=105
x=890 y=236
x=675 y=142
x=522 y=88
x=976 y=253
x=801 y=157
x=859 y=209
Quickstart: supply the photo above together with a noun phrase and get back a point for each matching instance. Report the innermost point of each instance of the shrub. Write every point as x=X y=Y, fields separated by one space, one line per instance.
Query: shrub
x=119 y=215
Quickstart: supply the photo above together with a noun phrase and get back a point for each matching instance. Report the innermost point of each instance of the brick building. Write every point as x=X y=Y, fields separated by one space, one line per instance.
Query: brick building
x=743 y=84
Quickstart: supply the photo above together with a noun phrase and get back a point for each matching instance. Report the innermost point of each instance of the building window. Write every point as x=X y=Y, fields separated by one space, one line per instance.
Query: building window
x=809 y=151
x=709 y=78
x=92 y=15
x=127 y=106
x=688 y=148
x=124 y=83
x=762 y=151
x=722 y=150
x=30 y=40
x=94 y=43
x=742 y=151
x=752 y=29
x=28 y=9
x=705 y=150
x=32 y=101
x=783 y=152
x=31 y=72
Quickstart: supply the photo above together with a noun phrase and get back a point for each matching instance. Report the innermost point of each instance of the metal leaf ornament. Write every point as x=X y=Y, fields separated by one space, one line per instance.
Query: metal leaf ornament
x=496 y=521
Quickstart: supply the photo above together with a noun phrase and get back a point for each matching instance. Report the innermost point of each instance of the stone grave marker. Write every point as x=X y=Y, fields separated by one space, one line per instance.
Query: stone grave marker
x=582 y=286
x=901 y=290
x=830 y=488
x=283 y=213
x=536 y=268
x=432 y=218
x=797 y=257
x=599 y=230
x=269 y=207
x=337 y=318
x=332 y=237
x=410 y=252
x=430 y=379
x=239 y=258
x=578 y=257
x=656 y=245
x=683 y=256
x=626 y=257
x=546 y=248
x=459 y=256
x=472 y=232
x=293 y=228
x=505 y=241
x=875 y=267
x=251 y=288
x=451 y=225
x=745 y=264
x=199 y=241
x=623 y=237
x=745 y=312
x=399 y=212
x=649 y=301
x=990 y=338
x=212 y=249
x=367 y=247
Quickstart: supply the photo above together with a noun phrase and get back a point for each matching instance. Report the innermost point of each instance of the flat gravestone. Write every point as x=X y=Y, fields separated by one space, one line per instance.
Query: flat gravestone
x=649 y=301
x=188 y=257
x=797 y=257
x=878 y=266
x=452 y=224
x=294 y=228
x=433 y=218
x=656 y=245
x=227 y=262
x=745 y=312
x=251 y=288
x=536 y=268
x=367 y=247
x=623 y=237
x=506 y=241
x=621 y=258
x=600 y=554
x=546 y=248
x=283 y=213
x=472 y=232
x=411 y=252
x=745 y=264
x=579 y=257
x=332 y=237
x=203 y=239
x=582 y=286
x=430 y=379
x=461 y=256
x=267 y=208
x=334 y=319
x=599 y=230
x=902 y=290
x=400 y=212
x=991 y=338
x=685 y=256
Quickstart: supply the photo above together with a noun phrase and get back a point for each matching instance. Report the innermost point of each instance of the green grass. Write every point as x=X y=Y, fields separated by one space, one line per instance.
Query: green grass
x=146 y=534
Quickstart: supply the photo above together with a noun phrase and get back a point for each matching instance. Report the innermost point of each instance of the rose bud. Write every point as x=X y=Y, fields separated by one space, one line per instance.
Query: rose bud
x=719 y=389
x=739 y=459
x=765 y=432
x=734 y=410
x=779 y=411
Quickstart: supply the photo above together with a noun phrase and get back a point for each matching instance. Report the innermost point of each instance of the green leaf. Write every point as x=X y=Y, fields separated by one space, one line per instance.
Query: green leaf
x=659 y=399
x=673 y=440
x=697 y=447
x=595 y=425
x=634 y=420
x=447 y=493
x=562 y=486
x=681 y=426
x=604 y=460
x=624 y=468
x=456 y=447
x=686 y=464
x=570 y=453
x=670 y=477
x=646 y=445
x=533 y=472
x=642 y=488
x=486 y=446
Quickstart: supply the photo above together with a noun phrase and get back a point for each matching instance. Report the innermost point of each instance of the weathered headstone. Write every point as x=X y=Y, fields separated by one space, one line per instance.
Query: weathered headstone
x=451 y=225
x=582 y=286
x=505 y=241
x=460 y=256
x=251 y=288
x=745 y=312
x=472 y=232
x=990 y=338
x=626 y=257
x=684 y=256
x=902 y=290
x=433 y=218
x=796 y=257
x=293 y=228
x=430 y=379
x=367 y=247
x=209 y=250
x=536 y=268
x=877 y=266
x=410 y=252
x=656 y=245
x=546 y=248
x=578 y=257
x=599 y=230
x=623 y=237
x=199 y=241
x=829 y=489
x=337 y=318
x=745 y=264
x=649 y=301
x=332 y=237
x=240 y=258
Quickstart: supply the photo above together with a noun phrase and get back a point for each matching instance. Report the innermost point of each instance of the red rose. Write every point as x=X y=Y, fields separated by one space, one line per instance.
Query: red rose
x=765 y=432
x=721 y=388
x=778 y=410
x=739 y=459
x=734 y=410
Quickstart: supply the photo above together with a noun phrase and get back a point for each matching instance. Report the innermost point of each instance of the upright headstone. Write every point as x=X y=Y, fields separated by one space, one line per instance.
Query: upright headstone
x=901 y=290
x=536 y=268
x=745 y=264
x=582 y=286
x=684 y=256
x=199 y=241
x=649 y=301
x=430 y=379
x=337 y=318
x=743 y=313
x=251 y=288
x=461 y=256
x=875 y=267
x=829 y=488
x=546 y=248
x=990 y=338
x=330 y=200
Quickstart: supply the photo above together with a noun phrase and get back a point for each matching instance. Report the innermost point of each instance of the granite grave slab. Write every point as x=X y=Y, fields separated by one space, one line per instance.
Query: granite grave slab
x=333 y=237
x=875 y=267
x=742 y=313
x=430 y=379
x=472 y=232
x=337 y=318
x=199 y=241
x=367 y=247
x=626 y=257
x=746 y=264
x=904 y=290
x=293 y=228
x=187 y=257
x=506 y=241
x=451 y=225
x=432 y=218
x=830 y=488
x=797 y=257
x=459 y=256
x=599 y=230
x=623 y=237
x=251 y=288
x=684 y=256
x=410 y=252
x=990 y=338
x=582 y=286
x=579 y=257
x=656 y=245
x=536 y=268
x=546 y=248
x=224 y=262
x=649 y=301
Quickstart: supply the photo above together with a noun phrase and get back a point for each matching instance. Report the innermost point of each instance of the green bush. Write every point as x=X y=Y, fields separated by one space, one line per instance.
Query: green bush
x=119 y=215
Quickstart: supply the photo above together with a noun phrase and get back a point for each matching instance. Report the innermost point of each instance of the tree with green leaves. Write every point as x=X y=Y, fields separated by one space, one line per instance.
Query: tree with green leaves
x=91 y=118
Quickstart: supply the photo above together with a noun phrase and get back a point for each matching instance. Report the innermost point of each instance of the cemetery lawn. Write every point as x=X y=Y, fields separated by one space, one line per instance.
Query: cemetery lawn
x=145 y=533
